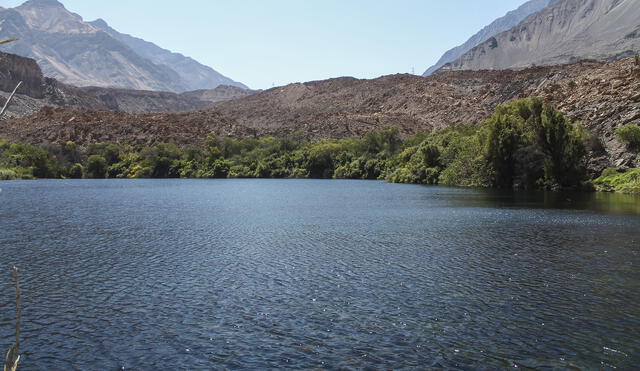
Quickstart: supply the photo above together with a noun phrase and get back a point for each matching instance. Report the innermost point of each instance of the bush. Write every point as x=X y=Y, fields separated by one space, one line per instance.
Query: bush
x=623 y=181
x=630 y=134
x=518 y=130
x=76 y=171
x=29 y=161
x=96 y=167
x=468 y=166
x=8 y=174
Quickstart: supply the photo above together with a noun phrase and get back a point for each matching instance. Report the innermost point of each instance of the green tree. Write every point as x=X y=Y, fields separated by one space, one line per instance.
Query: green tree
x=96 y=167
x=563 y=143
x=76 y=171
x=519 y=131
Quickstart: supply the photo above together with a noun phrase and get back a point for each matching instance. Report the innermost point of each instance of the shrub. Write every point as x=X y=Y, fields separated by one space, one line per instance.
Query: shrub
x=31 y=160
x=8 y=174
x=76 y=171
x=629 y=134
x=519 y=129
x=96 y=167
x=624 y=181
x=468 y=166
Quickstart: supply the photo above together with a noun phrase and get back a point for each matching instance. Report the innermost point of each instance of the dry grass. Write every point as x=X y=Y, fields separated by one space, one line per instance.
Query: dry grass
x=13 y=354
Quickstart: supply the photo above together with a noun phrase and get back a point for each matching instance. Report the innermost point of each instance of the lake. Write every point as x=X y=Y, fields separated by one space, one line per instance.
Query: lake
x=258 y=274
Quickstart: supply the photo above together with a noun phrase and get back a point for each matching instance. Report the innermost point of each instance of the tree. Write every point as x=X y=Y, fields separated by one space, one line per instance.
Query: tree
x=519 y=131
x=76 y=171
x=96 y=167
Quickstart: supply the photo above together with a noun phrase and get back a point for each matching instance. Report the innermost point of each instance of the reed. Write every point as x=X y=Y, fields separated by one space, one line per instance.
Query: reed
x=13 y=354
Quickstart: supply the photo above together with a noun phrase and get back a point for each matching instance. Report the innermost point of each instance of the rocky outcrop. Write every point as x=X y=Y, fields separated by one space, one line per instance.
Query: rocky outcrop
x=14 y=69
x=564 y=32
x=83 y=54
x=511 y=19
x=36 y=90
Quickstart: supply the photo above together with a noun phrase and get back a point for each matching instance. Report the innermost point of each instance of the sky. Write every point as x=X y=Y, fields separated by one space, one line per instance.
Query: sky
x=265 y=43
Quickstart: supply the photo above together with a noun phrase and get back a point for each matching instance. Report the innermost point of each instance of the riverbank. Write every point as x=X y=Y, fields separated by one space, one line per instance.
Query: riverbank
x=526 y=144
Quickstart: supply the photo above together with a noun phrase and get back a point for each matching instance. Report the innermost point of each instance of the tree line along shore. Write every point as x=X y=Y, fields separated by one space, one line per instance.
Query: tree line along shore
x=525 y=144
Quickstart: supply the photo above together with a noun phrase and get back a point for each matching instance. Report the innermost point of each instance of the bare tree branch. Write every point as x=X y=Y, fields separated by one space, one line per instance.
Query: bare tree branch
x=6 y=104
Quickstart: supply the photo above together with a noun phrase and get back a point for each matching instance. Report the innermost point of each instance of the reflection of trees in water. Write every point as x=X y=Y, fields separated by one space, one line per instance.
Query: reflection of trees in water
x=614 y=203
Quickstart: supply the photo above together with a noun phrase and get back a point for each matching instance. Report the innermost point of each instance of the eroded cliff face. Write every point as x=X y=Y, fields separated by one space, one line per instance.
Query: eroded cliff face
x=564 y=32
x=14 y=69
x=37 y=91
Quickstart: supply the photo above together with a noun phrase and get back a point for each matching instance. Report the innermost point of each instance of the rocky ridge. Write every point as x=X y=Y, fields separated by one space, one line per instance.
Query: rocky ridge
x=565 y=32
x=511 y=19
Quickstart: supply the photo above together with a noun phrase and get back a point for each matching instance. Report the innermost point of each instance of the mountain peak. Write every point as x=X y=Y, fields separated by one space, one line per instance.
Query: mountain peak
x=42 y=4
x=94 y=54
x=100 y=23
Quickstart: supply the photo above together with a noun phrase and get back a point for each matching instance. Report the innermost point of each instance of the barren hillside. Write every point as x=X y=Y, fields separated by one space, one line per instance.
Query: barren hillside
x=566 y=31
x=601 y=95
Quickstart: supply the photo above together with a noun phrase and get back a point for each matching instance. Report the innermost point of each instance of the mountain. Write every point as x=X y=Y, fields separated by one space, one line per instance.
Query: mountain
x=566 y=31
x=38 y=91
x=502 y=24
x=195 y=75
x=92 y=54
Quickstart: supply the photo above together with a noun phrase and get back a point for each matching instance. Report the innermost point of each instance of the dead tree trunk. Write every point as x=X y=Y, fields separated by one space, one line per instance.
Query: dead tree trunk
x=6 y=104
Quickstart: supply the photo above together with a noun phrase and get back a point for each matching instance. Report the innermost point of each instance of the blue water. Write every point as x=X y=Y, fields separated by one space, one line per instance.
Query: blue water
x=259 y=274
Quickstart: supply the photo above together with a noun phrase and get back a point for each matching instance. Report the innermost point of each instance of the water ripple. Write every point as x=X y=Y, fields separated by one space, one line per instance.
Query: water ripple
x=318 y=274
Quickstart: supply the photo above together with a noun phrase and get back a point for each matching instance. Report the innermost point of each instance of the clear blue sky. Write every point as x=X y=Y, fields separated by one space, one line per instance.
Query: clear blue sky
x=265 y=42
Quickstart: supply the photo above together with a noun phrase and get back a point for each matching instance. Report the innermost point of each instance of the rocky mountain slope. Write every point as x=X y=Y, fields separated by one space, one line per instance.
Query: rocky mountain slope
x=194 y=75
x=147 y=101
x=601 y=95
x=38 y=91
x=511 y=19
x=84 y=54
x=566 y=31
x=219 y=94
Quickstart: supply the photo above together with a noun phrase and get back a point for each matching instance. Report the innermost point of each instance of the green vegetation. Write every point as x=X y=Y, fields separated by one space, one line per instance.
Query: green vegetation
x=637 y=59
x=524 y=144
x=630 y=134
x=623 y=181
